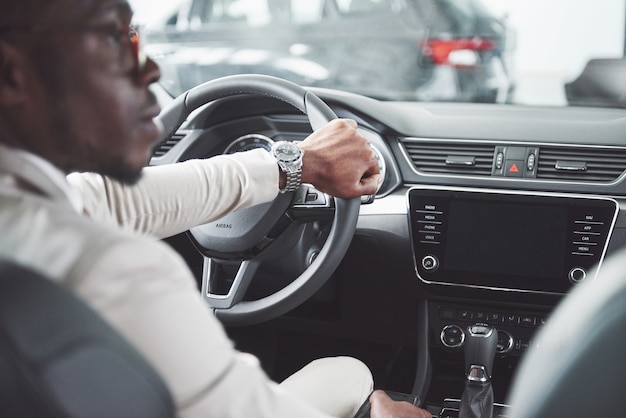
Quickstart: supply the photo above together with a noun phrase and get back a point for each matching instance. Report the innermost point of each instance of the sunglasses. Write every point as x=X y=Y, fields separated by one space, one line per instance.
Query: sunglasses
x=127 y=41
x=139 y=56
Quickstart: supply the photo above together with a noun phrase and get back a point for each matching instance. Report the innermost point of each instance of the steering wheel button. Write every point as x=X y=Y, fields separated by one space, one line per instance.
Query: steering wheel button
x=311 y=197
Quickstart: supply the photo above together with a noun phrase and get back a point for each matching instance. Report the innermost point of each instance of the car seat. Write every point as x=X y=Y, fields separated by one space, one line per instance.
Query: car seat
x=576 y=366
x=58 y=358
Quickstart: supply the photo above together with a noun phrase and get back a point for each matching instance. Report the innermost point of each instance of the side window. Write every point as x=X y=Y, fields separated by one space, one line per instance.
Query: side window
x=366 y=7
x=254 y=12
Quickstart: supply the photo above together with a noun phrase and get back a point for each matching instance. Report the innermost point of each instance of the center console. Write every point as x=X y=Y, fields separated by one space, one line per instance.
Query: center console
x=473 y=248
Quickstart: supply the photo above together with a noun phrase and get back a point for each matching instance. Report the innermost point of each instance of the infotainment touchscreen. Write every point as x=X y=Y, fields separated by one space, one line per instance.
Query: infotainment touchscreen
x=529 y=242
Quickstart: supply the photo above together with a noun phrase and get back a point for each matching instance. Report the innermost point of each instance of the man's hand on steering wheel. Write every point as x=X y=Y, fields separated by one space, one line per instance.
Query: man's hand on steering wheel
x=339 y=161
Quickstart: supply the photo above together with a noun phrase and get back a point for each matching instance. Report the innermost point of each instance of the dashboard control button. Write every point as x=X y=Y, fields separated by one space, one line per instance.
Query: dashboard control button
x=527 y=320
x=522 y=344
x=577 y=274
x=480 y=316
x=494 y=317
x=514 y=168
x=505 y=342
x=430 y=263
x=452 y=336
x=465 y=315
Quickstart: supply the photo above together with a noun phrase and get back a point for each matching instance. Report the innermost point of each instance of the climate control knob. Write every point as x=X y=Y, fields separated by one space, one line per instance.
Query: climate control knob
x=452 y=336
x=505 y=342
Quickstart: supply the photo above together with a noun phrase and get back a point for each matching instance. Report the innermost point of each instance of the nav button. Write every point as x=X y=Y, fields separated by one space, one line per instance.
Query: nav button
x=430 y=263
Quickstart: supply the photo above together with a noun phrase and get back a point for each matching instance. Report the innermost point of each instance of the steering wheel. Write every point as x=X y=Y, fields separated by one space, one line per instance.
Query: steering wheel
x=263 y=234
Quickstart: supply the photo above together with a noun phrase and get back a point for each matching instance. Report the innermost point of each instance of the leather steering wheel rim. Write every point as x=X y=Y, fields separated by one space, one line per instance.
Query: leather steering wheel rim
x=346 y=210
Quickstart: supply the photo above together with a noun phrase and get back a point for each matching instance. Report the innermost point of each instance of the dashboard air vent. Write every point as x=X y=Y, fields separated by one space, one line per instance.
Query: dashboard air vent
x=581 y=164
x=451 y=158
x=165 y=146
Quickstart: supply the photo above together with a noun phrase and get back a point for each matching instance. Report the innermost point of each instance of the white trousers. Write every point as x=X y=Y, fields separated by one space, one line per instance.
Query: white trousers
x=335 y=385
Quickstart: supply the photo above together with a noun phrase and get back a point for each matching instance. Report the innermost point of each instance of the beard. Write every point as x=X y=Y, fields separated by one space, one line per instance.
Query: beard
x=122 y=174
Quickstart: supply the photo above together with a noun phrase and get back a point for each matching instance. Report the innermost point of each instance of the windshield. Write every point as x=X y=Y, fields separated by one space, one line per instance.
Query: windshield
x=533 y=52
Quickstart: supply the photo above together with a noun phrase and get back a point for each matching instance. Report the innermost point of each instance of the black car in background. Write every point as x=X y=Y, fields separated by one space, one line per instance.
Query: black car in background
x=425 y=50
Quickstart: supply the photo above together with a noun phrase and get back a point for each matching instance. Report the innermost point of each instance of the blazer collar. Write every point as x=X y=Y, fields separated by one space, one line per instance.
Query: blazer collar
x=27 y=171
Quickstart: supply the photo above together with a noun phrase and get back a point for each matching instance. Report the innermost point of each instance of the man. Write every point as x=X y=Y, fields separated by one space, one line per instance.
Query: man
x=74 y=97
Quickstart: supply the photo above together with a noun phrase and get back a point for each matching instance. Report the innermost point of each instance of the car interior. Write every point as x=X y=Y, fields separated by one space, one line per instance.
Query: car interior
x=383 y=285
x=488 y=216
x=486 y=277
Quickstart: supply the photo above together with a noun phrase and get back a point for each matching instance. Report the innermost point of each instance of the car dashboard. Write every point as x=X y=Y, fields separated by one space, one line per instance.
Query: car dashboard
x=487 y=214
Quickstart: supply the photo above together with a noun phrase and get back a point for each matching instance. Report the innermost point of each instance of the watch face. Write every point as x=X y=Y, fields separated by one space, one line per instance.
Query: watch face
x=287 y=152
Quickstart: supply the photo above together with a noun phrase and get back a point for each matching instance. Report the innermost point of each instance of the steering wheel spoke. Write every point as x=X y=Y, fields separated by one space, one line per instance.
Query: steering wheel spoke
x=223 y=293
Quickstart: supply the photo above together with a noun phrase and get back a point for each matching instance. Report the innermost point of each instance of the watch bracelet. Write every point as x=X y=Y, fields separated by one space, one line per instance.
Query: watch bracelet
x=292 y=182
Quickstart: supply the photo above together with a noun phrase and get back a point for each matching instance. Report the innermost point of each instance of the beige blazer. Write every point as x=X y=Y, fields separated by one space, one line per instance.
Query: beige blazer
x=112 y=258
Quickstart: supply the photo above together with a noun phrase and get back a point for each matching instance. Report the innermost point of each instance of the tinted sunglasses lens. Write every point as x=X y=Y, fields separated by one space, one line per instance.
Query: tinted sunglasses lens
x=138 y=52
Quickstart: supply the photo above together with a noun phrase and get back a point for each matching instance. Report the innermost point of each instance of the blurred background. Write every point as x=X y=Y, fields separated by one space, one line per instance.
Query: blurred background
x=551 y=39
x=554 y=40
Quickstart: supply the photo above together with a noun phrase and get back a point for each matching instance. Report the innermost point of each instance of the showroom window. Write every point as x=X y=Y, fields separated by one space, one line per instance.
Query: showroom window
x=255 y=12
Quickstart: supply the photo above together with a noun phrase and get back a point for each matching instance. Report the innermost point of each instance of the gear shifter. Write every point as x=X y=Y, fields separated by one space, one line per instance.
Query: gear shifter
x=480 y=349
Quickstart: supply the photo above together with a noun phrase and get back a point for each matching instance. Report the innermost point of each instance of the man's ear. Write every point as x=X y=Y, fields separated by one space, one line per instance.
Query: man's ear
x=12 y=75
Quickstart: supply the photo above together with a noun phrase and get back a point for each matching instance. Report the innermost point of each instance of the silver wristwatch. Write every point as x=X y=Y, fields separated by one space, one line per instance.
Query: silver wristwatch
x=289 y=158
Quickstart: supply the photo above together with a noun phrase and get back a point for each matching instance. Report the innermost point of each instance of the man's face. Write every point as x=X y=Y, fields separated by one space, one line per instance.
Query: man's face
x=96 y=109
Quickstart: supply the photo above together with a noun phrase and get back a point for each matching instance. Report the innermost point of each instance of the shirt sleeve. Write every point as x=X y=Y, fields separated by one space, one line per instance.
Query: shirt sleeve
x=170 y=199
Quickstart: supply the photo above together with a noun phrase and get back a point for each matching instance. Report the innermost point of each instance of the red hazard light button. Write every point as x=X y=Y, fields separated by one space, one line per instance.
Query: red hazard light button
x=514 y=168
